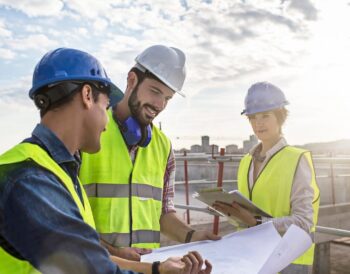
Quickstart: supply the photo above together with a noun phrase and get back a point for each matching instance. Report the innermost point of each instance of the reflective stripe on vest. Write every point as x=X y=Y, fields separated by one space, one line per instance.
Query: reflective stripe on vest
x=122 y=191
x=139 y=238
x=23 y=152
x=126 y=198
x=277 y=202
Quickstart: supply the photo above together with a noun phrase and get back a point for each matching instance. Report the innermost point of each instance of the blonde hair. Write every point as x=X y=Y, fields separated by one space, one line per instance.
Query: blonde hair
x=281 y=115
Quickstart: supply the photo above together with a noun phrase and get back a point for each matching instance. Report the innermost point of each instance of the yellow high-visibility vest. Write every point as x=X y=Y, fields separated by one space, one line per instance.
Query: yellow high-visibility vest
x=26 y=151
x=272 y=189
x=126 y=197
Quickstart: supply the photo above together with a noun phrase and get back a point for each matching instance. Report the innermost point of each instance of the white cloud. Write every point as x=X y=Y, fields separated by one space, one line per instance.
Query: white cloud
x=33 y=29
x=82 y=31
x=100 y=24
x=54 y=33
x=34 y=8
x=4 y=31
x=305 y=7
x=38 y=42
x=228 y=44
x=89 y=8
x=17 y=122
x=217 y=38
x=7 y=54
x=117 y=55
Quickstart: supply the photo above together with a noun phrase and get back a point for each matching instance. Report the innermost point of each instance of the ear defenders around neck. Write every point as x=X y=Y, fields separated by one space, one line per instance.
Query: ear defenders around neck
x=135 y=134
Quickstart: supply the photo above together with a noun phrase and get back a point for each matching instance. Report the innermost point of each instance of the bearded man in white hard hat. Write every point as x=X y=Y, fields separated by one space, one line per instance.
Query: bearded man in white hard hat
x=130 y=182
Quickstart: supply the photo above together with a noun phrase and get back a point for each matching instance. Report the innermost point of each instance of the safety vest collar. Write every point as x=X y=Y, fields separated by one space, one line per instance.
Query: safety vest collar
x=265 y=167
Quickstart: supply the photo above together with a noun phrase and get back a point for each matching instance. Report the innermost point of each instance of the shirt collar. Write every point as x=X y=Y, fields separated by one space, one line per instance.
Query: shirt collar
x=279 y=145
x=53 y=144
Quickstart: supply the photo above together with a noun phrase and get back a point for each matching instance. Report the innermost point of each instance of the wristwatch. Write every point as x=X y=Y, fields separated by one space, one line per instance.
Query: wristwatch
x=189 y=235
x=155 y=267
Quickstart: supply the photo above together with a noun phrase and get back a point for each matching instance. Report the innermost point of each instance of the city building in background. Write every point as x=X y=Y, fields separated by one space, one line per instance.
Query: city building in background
x=248 y=144
x=207 y=148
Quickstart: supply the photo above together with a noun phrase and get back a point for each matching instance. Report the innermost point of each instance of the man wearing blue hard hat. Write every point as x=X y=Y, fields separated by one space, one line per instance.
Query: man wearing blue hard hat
x=46 y=223
x=134 y=171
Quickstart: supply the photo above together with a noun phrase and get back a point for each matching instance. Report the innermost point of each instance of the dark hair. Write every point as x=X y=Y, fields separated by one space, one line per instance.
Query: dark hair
x=70 y=95
x=143 y=75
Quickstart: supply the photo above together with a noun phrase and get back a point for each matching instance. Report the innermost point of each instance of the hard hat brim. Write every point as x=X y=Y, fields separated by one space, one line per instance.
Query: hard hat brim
x=114 y=90
x=115 y=96
x=250 y=112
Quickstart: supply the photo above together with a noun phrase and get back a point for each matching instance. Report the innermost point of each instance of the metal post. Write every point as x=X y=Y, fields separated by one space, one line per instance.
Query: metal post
x=332 y=181
x=219 y=184
x=186 y=188
x=322 y=262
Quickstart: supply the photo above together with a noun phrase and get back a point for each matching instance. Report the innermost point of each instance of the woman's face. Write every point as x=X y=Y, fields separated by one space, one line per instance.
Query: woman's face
x=265 y=125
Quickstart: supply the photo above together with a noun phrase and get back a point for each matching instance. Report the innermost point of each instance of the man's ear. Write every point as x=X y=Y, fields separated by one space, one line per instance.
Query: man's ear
x=87 y=96
x=132 y=81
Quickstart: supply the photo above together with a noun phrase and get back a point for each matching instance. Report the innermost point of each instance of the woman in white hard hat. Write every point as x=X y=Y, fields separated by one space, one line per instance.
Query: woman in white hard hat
x=278 y=178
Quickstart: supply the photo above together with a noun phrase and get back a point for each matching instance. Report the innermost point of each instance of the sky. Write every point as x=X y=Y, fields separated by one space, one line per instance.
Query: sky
x=302 y=46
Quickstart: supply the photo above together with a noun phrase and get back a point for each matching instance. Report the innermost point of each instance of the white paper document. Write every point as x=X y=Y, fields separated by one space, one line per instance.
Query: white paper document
x=257 y=250
x=210 y=195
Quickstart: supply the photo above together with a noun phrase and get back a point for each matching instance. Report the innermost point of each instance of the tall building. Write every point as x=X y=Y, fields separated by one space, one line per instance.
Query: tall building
x=205 y=144
x=248 y=144
x=196 y=149
x=232 y=149
x=214 y=149
x=205 y=147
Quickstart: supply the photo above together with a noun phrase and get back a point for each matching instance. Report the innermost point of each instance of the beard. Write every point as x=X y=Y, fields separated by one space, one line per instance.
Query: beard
x=135 y=107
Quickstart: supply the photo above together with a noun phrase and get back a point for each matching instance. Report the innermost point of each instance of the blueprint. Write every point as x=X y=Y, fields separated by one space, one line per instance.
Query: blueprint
x=257 y=250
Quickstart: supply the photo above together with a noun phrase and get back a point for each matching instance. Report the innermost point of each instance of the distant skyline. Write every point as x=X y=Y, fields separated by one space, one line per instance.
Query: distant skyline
x=302 y=46
x=224 y=143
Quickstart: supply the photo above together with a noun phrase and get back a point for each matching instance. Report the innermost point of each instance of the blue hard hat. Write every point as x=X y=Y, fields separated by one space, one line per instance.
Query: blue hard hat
x=263 y=96
x=66 y=64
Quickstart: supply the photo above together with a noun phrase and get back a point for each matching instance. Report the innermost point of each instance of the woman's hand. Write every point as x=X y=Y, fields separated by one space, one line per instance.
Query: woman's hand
x=236 y=211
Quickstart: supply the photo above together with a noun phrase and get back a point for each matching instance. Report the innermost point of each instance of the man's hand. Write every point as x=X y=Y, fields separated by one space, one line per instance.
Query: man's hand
x=173 y=265
x=129 y=253
x=194 y=264
x=204 y=235
x=191 y=263
x=237 y=211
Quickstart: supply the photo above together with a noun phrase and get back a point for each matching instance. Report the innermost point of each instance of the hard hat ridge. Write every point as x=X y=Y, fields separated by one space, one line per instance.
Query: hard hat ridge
x=263 y=96
x=67 y=64
x=166 y=63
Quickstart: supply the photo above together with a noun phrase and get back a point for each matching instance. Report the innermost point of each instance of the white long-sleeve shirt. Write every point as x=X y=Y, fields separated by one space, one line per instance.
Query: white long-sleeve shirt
x=301 y=196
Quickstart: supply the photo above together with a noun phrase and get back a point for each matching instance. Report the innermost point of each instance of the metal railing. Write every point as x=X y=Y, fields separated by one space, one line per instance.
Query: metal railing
x=333 y=231
x=319 y=229
x=221 y=159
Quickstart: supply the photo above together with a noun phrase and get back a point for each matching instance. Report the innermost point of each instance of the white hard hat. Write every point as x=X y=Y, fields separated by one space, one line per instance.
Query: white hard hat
x=166 y=63
x=263 y=96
